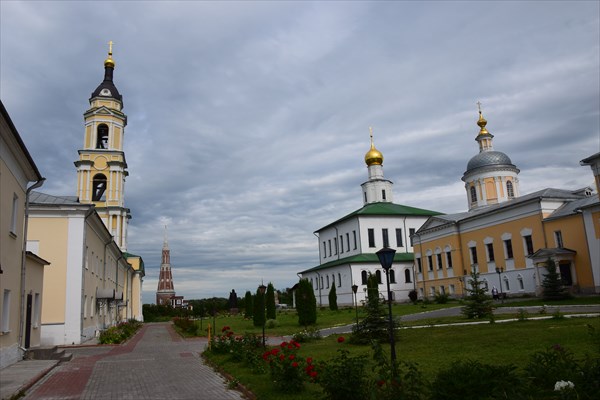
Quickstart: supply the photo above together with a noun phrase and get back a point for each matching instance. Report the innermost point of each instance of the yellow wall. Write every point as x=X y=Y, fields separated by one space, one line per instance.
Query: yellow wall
x=573 y=235
x=52 y=235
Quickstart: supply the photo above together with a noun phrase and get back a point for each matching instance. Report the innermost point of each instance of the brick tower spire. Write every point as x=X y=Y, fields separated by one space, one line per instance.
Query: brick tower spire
x=166 y=290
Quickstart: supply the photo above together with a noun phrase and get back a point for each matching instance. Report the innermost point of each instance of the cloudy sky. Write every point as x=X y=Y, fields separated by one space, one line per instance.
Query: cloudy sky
x=248 y=121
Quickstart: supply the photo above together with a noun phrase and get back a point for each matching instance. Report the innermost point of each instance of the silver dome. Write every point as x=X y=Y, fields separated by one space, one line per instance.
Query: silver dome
x=489 y=158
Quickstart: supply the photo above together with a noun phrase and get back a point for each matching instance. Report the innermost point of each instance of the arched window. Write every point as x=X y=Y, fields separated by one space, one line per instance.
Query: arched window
x=485 y=285
x=102 y=137
x=98 y=187
x=510 y=190
x=339 y=279
x=473 y=194
x=392 y=276
x=363 y=277
x=506 y=284
x=378 y=275
x=327 y=287
x=520 y=280
x=407 y=276
x=332 y=280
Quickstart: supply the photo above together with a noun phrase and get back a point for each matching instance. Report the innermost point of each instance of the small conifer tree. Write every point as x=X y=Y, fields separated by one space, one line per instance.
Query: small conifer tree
x=248 y=305
x=552 y=286
x=306 y=303
x=333 y=299
x=375 y=326
x=271 y=314
x=258 y=316
x=477 y=304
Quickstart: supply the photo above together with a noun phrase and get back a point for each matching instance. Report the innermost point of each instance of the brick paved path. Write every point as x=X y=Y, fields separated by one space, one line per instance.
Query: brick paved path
x=155 y=364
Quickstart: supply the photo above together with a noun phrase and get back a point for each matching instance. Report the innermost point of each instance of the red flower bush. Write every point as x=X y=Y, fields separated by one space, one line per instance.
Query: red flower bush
x=340 y=339
x=285 y=366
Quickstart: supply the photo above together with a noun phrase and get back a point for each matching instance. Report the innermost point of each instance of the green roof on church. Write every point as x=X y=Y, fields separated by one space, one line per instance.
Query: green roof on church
x=382 y=208
x=360 y=258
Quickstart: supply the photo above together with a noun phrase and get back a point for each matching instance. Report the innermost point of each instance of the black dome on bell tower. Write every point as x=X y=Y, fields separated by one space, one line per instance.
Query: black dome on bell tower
x=107 y=88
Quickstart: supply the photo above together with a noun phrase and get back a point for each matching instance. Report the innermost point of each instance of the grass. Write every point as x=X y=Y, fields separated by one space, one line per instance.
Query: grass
x=436 y=348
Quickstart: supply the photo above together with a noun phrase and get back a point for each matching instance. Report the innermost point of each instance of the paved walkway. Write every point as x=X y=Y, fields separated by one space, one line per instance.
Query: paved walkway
x=155 y=364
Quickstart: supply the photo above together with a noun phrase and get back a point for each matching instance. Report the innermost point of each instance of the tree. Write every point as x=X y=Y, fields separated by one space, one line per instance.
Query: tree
x=477 y=304
x=333 y=299
x=375 y=326
x=258 y=316
x=270 y=300
x=552 y=286
x=248 y=305
x=306 y=303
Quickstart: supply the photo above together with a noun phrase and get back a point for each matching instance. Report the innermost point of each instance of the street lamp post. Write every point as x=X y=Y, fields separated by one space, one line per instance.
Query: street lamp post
x=386 y=258
x=354 y=289
x=261 y=290
x=499 y=271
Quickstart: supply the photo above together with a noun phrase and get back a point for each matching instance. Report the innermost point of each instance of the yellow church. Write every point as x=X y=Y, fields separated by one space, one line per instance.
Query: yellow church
x=508 y=237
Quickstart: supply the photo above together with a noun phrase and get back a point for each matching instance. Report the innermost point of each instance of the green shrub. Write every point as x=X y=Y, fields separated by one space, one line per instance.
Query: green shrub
x=307 y=335
x=343 y=377
x=441 y=298
x=120 y=332
x=473 y=380
x=271 y=323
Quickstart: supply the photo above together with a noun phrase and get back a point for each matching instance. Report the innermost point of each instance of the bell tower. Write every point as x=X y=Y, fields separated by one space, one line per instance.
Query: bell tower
x=166 y=289
x=101 y=168
x=377 y=188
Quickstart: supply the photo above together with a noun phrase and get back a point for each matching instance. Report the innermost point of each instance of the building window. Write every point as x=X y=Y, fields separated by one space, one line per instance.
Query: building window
x=449 y=260
x=473 y=192
x=520 y=281
x=102 y=137
x=371 y=237
x=378 y=275
x=13 y=218
x=98 y=187
x=348 y=241
x=327 y=287
x=339 y=280
x=5 y=327
x=528 y=244
x=506 y=284
x=335 y=245
x=354 y=234
x=384 y=234
x=341 y=244
x=365 y=193
x=490 y=252
x=332 y=280
x=329 y=244
x=510 y=190
x=411 y=232
x=324 y=249
x=392 y=276
x=439 y=260
x=473 y=255
x=407 y=276
x=419 y=266
x=485 y=284
x=430 y=263
x=321 y=282
x=311 y=283
x=383 y=194
x=508 y=248
x=399 y=242
x=558 y=238
x=451 y=289
x=36 y=310
x=363 y=277
x=85 y=306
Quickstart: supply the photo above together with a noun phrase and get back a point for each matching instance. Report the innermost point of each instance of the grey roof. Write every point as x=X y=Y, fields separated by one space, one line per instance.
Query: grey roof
x=573 y=207
x=43 y=198
x=589 y=159
x=548 y=193
x=489 y=158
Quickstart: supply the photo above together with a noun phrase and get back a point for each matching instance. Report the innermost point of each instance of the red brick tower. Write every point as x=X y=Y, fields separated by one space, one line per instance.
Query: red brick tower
x=166 y=290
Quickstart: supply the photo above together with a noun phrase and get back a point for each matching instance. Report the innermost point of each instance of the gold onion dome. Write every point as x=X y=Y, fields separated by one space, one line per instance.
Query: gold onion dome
x=109 y=62
x=482 y=123
x=373 y=156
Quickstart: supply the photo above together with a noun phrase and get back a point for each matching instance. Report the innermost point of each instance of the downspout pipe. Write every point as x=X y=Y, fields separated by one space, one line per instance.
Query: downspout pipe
x=36 y=185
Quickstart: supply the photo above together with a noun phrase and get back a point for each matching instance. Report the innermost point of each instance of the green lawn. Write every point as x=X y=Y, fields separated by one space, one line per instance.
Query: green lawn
x=435 y=348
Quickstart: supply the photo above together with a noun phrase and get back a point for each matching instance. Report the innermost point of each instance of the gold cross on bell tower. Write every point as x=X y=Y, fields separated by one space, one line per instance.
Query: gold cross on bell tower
x=110 y=43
